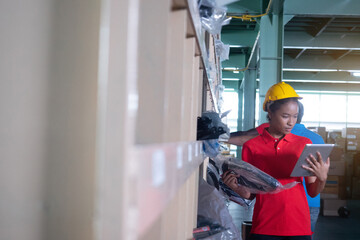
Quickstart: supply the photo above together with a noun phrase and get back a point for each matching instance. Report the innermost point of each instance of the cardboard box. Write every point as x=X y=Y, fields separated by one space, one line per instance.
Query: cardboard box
x=337 y=154
x=337 y=168
x=351 y=133
x=356 y=165
x=340 y=142
x=352 y=145
x=321 y=131
x=355 y=188
x=333 y=136
x=331 y=206
x=335 y=186
x=332 y=185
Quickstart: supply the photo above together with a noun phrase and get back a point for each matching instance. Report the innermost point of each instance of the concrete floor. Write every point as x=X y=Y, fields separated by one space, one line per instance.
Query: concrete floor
x=327 y=228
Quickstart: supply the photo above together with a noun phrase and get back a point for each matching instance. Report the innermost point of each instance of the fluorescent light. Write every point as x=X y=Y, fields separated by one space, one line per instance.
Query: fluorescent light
x=230 y=68
x=319 y=48
x=235 y=71
x=319 y=70
x=231 y=79
x=318 y=81
x=356 y=74
x=310 y=70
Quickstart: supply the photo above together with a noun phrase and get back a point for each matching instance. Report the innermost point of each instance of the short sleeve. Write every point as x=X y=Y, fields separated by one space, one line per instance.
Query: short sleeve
x=261 y=128
x=246 y=153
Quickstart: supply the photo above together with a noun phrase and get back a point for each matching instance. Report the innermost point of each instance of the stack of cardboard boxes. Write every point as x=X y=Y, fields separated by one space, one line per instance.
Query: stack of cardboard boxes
x=344 y=174
x=334 y=194
x=356 y=177
x=352 y=136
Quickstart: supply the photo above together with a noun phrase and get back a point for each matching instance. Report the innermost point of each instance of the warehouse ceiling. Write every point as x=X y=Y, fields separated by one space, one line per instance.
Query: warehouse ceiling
x=321 y=40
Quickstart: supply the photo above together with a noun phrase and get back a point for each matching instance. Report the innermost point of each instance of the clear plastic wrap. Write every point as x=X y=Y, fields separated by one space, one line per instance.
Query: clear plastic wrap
x=210 y=126
x=211 y=147
x=214 y=22
x=222 y=50
x=211 y=204
x=255 y=180
x=214 y=179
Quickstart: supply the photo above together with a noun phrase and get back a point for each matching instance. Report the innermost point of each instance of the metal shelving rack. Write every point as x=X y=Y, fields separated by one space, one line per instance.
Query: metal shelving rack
x=152 y=181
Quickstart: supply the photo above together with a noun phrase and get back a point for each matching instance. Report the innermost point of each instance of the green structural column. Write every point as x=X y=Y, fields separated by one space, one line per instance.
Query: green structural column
x=240 y=117
x=249 y=89
x=271 y=52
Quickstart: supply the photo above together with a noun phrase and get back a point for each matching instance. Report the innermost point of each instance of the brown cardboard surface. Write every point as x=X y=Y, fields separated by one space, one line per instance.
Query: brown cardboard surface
x=331 y=206
x=337 y=168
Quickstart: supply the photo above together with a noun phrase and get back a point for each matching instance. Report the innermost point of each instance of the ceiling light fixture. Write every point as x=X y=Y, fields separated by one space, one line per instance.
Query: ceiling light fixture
x=356 y=74
x=231 y=79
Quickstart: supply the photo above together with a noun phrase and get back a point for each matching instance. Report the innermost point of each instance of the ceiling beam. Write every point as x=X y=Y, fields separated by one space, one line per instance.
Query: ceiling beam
x=297 y=53
x=235 y=60
x=322 y=7
x=348 y=62
x=298 y=76
x=322 y=25
x=231 y=84
x=239 y=37
x=302 y=40
x=251 y=7
x=342 y=54
x=326 y=87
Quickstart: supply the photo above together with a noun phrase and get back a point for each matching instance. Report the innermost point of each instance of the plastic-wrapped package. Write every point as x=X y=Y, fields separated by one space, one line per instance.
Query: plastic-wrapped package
x=211 y=204
x=255 y=180
x=222 y=50
x=211 y=147
x=213 y=174
x=206 y=7
x=214 y=23
x=233 y=196
x=214 y=179
x=210 y=126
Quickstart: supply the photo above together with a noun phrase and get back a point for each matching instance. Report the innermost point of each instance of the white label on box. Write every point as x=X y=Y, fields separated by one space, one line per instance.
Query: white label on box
x=351 y=147
x=190 y=153
x=351 y=136
x=196 y=149
x=158 y=168
x=179 y=157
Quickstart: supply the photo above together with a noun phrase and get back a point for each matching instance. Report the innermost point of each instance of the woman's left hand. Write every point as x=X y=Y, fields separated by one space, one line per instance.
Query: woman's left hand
x=318 y=167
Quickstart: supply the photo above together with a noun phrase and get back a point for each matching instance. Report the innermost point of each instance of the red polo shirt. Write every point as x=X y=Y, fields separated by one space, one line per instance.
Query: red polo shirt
x=285 y=213
x=261 y=128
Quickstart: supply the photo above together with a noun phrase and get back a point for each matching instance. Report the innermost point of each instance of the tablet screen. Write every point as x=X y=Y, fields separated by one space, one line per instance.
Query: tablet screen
x=324 y=149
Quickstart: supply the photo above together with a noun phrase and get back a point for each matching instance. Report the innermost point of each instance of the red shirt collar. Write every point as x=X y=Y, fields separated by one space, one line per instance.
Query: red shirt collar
x=268 y=138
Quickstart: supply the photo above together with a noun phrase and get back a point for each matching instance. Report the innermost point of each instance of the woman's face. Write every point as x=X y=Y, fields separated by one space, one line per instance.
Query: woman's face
x=284 y=119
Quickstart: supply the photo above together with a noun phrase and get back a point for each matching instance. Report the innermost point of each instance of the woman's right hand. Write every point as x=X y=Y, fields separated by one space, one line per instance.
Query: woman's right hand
x=229 y=178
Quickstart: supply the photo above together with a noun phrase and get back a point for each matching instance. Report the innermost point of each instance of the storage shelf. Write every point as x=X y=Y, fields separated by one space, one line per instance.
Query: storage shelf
x=200 y=38
x=164 y=169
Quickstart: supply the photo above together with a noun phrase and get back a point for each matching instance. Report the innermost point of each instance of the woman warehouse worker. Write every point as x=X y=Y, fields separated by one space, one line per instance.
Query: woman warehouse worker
x=284 y=215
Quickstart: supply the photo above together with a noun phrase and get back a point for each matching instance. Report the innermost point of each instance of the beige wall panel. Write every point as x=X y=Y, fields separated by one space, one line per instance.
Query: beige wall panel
x=174 y=76
x=153 y=32
x=187 y=88
x=115 y=205
x=191 y=202
x=154 y=232
x=72 y=113
x=25 y=46
x=170 y=219
x=195 y=98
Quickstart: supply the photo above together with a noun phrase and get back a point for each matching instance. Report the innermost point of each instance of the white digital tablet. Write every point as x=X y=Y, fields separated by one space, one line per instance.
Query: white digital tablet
x=323 y=149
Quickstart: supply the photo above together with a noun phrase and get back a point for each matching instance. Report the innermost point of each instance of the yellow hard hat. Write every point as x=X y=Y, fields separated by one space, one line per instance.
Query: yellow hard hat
x=279 y=91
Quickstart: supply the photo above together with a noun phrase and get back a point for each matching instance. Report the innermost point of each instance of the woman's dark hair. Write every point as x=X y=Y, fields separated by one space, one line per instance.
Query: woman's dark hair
x=277 y=104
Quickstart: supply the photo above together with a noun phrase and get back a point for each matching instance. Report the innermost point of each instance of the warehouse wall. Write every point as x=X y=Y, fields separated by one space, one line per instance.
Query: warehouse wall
x=48 y=70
